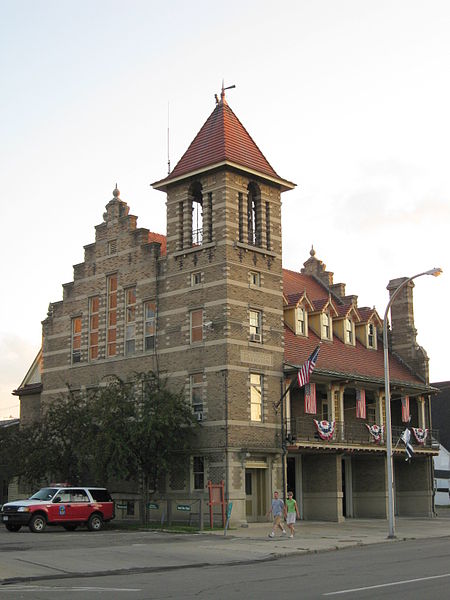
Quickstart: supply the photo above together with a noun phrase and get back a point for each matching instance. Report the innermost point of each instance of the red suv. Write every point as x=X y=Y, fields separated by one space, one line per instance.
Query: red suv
x=58 y=505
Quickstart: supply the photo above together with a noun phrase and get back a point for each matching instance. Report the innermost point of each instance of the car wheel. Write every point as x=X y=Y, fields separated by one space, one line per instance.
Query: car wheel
x=12 y=527
x=95 y=522
x=70 y=527
x=37 y=524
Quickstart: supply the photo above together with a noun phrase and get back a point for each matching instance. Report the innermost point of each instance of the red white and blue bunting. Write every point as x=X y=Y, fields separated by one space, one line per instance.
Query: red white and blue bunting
x=376 y=431
x=420 y=434
x=325 y=429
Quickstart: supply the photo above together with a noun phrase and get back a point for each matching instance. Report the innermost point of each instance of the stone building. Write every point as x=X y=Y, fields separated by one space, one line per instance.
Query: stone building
x=210 y=305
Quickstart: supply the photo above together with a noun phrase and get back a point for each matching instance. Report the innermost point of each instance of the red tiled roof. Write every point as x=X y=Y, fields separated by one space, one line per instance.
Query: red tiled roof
x=335 y=356
x=160 y=239
x=294 y=283
x=222 y=138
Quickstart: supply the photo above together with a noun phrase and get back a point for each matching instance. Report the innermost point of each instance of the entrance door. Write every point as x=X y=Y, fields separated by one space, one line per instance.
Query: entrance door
x=255 y=494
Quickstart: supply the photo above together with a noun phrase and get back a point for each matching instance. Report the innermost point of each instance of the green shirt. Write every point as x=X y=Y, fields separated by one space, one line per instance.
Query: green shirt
x=290 y=505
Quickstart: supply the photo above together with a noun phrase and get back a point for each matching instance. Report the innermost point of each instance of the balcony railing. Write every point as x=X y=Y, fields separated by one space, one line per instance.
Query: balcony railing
x=303 y=429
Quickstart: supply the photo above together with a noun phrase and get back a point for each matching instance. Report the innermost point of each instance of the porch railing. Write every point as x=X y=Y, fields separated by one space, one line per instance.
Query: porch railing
x=303 y=429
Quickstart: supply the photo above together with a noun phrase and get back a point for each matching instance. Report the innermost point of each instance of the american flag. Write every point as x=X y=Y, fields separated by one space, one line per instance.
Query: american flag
x=406 y=417
x=304 y=373
x=360 y=404
x=310 y=399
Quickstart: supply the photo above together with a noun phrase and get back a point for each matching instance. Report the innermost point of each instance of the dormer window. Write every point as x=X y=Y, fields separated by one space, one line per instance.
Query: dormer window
x=371 y=336
x=349 y=332
x=300 y=321
x=326 y=326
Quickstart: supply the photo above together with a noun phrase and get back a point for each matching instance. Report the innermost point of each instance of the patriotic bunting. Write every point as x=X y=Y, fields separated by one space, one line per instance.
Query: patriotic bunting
x=376 y=431
x=310 y=399
x=360 y=404
x=325 y=429
x=406 y=416
x=420 y=434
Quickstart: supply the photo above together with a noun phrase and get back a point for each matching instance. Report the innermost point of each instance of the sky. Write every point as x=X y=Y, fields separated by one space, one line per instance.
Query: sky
x=349 y=99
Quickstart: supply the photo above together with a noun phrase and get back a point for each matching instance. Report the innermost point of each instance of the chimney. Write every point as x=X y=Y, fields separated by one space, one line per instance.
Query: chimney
x=403 y=332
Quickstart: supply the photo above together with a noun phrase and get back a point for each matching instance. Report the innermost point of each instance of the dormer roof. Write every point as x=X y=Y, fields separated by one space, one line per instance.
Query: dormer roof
x=223 y=140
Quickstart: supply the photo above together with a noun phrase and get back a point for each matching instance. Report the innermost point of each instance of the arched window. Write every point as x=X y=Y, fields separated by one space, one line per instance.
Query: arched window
x=197 y=213
x=254 y=214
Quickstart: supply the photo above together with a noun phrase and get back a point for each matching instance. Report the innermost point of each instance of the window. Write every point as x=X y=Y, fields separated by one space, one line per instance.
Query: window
x=255 y=397
x=300 y=321
x=254 y=215
x=349 y=332
x=112 y=247
x=197 y=214
x=196 y=325
x=241 y=216
x=326 y=326
x=94 y=304
x=111 y=335
x=130 y=320
x=196 y=278
x=371 y=335
x=255 y=325
x=149 y=325
x=198 y=468
x=268 y=226
x=130 y=508
x=76 y=339
x=197 y=395
x=255 y=278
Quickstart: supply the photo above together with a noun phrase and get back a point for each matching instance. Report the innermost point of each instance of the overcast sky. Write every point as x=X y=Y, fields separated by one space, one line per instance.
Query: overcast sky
x=350 y=99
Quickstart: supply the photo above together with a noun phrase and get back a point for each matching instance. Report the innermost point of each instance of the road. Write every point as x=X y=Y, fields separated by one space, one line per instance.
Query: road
x=407 y=569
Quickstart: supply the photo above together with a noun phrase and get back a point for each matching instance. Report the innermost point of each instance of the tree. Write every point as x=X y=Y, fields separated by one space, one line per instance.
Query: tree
x=143 y=429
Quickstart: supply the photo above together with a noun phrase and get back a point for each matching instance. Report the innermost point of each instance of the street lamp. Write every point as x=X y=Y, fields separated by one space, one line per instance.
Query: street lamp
x=435 y=272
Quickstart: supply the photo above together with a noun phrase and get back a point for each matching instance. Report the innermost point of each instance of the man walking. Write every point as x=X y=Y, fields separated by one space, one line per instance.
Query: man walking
x=291 y=511
x=277 y=510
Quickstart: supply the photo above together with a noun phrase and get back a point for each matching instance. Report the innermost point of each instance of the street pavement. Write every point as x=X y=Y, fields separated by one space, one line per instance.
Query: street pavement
x=58 y=554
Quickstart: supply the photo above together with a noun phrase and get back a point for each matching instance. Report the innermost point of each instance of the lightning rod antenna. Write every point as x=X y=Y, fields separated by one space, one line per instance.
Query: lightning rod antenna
x=168 y=138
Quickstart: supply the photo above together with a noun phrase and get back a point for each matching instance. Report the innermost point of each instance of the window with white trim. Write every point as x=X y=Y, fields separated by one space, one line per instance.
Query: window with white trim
x=255 y=319
x=300 y=321
x=349 y=332
x=196 y=381
x=256 y=399
x=326 y=326
x=94 y=304
x=196 y=278
x=130 y=317
x=371 y=336
x=149 y=325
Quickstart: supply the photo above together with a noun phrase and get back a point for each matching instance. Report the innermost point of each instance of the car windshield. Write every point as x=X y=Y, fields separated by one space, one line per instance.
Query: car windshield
x=44 y=494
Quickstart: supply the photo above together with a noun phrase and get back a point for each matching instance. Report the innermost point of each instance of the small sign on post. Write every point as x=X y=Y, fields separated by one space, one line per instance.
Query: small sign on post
x=184 y=507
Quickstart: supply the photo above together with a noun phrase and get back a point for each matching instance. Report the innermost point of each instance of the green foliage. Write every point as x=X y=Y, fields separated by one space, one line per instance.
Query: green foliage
x=125 y=430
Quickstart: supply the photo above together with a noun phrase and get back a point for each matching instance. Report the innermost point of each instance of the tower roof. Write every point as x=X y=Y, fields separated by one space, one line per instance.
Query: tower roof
x=223 y=140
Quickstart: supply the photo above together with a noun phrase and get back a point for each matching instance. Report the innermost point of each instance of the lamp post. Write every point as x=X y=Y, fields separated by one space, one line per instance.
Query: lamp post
x=435 y=272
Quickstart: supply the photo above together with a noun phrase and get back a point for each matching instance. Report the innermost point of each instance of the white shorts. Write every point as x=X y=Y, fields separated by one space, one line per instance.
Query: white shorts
x=290 y=519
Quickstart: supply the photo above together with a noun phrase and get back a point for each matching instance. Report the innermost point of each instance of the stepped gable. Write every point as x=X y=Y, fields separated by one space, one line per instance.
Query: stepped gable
x=223 y=139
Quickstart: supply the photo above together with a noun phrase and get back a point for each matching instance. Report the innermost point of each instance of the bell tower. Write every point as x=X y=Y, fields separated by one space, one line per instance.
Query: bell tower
x=222 y=306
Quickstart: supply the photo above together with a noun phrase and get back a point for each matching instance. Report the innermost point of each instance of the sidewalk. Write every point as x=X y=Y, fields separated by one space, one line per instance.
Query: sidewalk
x=111 y=552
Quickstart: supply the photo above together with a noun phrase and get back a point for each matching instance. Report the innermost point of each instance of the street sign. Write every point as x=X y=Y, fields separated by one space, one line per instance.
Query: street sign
x=229 y=509
x=119 y=505
x=184 y=507
x=153 y=505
